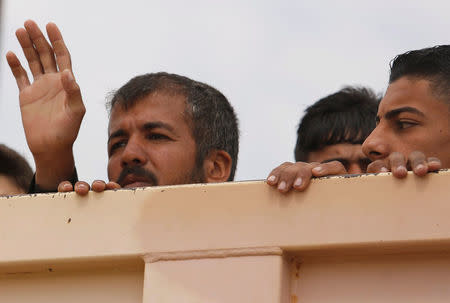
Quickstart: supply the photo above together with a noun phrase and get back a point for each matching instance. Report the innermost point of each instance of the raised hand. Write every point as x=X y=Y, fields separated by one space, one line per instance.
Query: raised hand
x=52 y=107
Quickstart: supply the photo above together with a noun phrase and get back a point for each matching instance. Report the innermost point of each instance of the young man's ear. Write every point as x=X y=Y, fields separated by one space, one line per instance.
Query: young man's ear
x=217 y=166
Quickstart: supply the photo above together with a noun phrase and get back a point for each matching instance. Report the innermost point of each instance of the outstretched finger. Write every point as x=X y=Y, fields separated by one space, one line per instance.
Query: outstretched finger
x=41 y=45
x=81 y=188
x=303 y=176
x=397 y=163
x=32 y=56
x=112 y=185
x=98 y=186
x=377 y=166
x=65 y=186
x=418 y=163
x=434 y=164
x=274 y=175
x=329 y=169
x=18 y=71
x=294 y=176
x=62 y=53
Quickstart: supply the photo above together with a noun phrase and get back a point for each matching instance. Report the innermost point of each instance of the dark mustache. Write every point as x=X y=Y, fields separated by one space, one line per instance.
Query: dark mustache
x=137 y=171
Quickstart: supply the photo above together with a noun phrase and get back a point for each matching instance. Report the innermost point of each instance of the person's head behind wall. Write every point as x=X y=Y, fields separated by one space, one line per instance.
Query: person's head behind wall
x=15 y=172
x=414 y=113
x=168 y=129
x=334 y=128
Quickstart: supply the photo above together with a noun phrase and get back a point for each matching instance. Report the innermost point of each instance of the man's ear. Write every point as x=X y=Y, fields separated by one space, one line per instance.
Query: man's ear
x=217 y=166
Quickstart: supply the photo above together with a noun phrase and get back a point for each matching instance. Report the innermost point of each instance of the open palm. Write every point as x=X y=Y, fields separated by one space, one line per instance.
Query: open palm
x=51 y=119
x=52 y=107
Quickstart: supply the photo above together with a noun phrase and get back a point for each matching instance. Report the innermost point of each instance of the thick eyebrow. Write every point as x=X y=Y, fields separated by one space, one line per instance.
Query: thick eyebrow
x=146 y=126
x=395 y=112
x=117 y=133
x=157 y=124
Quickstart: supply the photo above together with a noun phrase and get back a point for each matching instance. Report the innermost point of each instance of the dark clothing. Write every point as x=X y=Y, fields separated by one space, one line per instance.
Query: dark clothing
x=35 y=189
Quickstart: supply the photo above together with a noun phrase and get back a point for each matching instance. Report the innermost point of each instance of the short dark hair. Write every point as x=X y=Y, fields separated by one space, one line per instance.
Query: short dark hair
x=432 y=64
x=213 y=121
x=15 y=166
x=347 y=116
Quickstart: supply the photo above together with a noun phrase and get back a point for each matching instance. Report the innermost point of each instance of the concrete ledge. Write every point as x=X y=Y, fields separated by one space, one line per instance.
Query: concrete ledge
x=344 y=239
x=362 y=212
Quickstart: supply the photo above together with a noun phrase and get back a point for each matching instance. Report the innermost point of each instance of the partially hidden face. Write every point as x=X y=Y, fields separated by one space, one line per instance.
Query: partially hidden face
x=151 y=143
x=350 y=155
x=9 y=187
x=411 y=118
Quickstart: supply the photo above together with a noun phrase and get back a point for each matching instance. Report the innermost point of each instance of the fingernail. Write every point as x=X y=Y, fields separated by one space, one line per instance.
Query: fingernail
x=298 y=182
x=82 y=186
x=384 y=169
x=420 y=167
x=67 y=187
x=271 y=178
x=317 y=169
x=282 y=185
x=401 y=169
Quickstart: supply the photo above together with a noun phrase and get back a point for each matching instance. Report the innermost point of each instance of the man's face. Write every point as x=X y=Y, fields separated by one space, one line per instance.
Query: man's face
x=9 y=187
x=350 y=155
x=410 y=118
x=151 y=143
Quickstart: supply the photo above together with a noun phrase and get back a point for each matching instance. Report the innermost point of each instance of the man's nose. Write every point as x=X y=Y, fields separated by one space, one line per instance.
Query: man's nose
x=133 y=154
x=375 y=146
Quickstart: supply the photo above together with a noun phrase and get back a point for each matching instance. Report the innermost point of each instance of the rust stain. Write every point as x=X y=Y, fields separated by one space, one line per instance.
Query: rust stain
x=294 y=299
x=297 y=269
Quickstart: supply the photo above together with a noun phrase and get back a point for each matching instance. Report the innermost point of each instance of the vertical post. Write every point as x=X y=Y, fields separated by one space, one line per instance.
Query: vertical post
x=241 y=275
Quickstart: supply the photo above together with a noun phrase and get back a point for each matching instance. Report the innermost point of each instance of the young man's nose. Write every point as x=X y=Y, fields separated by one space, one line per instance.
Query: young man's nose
x=375 y=146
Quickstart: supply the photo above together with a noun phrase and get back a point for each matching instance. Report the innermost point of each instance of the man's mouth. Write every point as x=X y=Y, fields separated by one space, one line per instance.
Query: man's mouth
x=132 y=181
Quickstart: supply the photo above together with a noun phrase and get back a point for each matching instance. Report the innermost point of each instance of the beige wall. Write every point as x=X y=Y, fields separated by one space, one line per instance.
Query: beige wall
x=362 y=239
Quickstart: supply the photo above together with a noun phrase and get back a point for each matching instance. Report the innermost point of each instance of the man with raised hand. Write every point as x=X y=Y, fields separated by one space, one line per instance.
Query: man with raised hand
x=167 y=129
x=51 y=106
x=329 y=139
x=413 y=125
x=164 y=129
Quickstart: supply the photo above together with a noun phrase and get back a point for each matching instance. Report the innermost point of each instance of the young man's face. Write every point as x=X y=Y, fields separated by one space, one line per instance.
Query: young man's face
x=350 y=155
x=151 y=143
x=410 y=118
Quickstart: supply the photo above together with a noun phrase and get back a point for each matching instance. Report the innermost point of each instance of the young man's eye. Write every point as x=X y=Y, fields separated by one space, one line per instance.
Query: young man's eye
x=405 y=124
